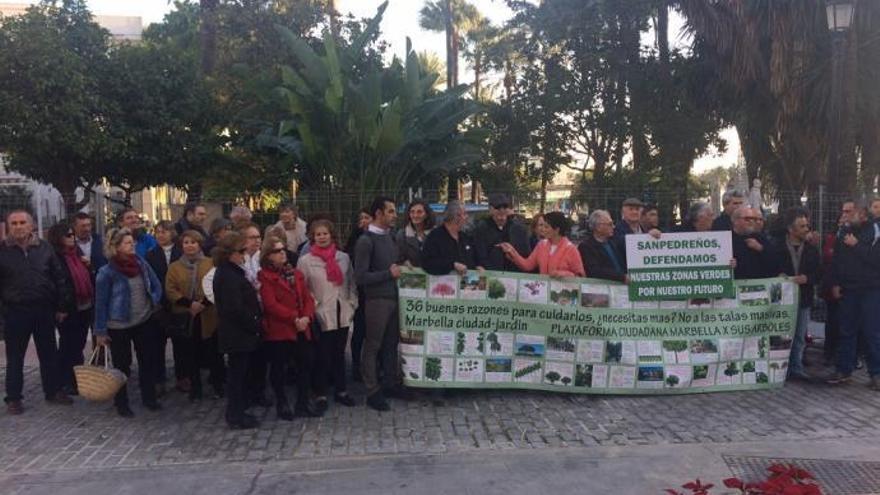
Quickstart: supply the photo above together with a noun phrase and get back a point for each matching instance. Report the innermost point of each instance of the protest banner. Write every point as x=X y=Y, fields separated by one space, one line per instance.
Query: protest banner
x=679 y=266
x=507 y=330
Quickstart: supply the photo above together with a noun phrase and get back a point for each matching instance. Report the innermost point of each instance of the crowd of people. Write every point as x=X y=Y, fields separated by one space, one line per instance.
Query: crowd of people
x=266 y=308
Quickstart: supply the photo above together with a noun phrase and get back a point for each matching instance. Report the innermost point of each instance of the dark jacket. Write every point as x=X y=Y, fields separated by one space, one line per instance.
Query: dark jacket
x=857 y=267
x=71 y=305
x=409 y=246
x=238 y=310
x=96 y=257
x=722 y=222
x=441 y=252
x=33 y=278
x=810 y=266
x=486 y=238
x=156 y=258
x=183 y=225
x=621 y=230
x=597 y=262
x=751 y=263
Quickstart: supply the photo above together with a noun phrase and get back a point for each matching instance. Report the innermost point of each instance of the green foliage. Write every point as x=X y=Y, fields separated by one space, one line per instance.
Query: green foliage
x=433 y=367
x=459 y=343
x=553 y=377
x=383 y=129
x=528 y=370
x=731 y=369
x=672 y=381
x=52 y=104
x=496 y=289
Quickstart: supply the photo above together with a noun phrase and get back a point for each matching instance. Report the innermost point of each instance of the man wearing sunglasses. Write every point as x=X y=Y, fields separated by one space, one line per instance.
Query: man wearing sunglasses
x=755 y=257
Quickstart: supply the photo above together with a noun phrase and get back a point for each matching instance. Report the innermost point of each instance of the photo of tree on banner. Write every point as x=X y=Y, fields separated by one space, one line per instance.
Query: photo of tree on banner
x=692 y=265
x=570 y=336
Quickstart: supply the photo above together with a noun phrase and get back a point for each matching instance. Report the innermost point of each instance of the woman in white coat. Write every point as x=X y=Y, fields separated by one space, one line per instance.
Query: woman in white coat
x=330 y=278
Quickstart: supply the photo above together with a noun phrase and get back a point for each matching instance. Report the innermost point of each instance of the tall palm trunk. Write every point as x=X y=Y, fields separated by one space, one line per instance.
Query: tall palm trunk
x=451 y=81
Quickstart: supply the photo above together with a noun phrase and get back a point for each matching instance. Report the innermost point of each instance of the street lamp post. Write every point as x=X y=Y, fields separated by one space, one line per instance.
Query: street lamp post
x=840 y=16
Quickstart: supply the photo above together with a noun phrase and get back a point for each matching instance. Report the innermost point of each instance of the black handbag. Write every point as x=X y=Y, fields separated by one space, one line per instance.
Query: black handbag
x=179 y=326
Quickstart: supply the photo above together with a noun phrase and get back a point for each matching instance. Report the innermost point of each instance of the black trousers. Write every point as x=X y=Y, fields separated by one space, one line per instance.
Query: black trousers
x=143 y=337
x=331 y=354
x=278 y=356
x=177 y=354
x=197 y=353
x=19 y=325
x=237 y=380
x=358 y=332
x=73 y=333
x=256 y=373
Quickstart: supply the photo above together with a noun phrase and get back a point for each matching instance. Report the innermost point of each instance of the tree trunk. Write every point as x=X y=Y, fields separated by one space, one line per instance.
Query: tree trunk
x=333 y=17
x=544 y=181
x=208 y=12
x=451 y=82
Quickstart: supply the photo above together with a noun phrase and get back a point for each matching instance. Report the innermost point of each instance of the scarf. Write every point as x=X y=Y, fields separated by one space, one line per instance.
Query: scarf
x=328 y=256
x=192 y=266
x=79 y=274
x=126 y=265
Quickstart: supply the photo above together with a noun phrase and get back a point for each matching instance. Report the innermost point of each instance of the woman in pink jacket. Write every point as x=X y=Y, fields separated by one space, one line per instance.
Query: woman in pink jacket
x=555 y=255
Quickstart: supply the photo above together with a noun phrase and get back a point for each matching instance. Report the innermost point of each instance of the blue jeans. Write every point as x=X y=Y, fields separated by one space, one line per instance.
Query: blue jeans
x=799 y=343
x=859 y=314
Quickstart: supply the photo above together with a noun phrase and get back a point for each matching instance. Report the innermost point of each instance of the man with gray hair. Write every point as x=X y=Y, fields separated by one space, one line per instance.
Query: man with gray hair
x=753 y=253
x=602 y=258
x=731 y=201
x=447 y=248
x=33 y=289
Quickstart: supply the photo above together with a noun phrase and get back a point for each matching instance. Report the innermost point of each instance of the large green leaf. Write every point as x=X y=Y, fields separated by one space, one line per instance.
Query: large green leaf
x=314 y=70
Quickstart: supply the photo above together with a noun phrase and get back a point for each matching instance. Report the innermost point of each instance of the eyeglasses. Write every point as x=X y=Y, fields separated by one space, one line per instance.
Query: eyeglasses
x=752 y=219
x=276 y=251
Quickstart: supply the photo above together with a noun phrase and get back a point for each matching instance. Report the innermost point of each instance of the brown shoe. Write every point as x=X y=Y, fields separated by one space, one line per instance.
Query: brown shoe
x=14 y=407
x=875 y=383
x=60 y=398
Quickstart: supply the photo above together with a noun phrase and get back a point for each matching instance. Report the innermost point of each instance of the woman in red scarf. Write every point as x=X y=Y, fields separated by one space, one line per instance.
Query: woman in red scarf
x=288 y=312
x=74 y=330
x=127 y=293
x=328 y=273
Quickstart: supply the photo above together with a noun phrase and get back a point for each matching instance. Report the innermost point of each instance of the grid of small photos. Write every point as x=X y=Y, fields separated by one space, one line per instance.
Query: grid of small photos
x=438 y=356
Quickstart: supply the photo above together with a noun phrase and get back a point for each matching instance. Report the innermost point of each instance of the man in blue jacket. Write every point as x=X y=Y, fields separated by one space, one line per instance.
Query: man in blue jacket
x=131 y=220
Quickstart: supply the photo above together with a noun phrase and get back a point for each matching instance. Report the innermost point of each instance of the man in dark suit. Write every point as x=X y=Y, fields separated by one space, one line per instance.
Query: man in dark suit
x=89 y=244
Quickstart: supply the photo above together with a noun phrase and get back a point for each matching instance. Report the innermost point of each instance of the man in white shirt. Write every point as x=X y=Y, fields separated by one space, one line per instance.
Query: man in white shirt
x=294 y=227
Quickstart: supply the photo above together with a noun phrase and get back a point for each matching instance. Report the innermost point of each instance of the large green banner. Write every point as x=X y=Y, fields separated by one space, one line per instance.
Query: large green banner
x=508 y=330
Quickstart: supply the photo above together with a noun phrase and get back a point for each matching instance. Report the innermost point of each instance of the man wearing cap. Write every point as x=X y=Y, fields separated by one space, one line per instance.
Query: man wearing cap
x=498 y=228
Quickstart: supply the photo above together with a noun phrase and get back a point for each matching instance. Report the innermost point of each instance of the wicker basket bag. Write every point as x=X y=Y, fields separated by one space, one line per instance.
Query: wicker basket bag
x=99 y=383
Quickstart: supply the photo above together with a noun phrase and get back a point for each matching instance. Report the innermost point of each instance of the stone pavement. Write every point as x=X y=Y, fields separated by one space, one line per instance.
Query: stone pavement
x=54 y=440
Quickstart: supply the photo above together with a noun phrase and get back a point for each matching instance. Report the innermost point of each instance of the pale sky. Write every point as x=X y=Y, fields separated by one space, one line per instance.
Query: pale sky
x=400 y=21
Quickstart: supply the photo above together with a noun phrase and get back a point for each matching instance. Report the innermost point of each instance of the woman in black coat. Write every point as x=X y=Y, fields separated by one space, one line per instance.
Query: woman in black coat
x=239 y=328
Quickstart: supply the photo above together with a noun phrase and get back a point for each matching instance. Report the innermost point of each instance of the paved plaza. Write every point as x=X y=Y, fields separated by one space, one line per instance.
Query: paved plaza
x=495 y=427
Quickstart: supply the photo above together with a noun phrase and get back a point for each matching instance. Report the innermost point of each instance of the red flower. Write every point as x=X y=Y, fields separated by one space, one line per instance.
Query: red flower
x=734 y=483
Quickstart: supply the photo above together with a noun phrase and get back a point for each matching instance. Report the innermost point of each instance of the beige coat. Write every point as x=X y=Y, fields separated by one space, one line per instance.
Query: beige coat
x=177 y=287
x=327 y=294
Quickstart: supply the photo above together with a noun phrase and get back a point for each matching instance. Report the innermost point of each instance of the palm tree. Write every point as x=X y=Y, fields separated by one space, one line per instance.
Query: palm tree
x=772 y=65
x=452 y=17
x=430 y=63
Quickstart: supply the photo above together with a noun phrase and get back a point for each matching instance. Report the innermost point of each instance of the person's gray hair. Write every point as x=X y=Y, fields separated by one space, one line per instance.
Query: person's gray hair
x=697 y=209
x=732 y=193
x=238 y=213
x=452 y=211
x=595 y=218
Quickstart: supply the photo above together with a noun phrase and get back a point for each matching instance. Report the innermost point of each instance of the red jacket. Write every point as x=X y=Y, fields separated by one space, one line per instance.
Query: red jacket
x=282 y=305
